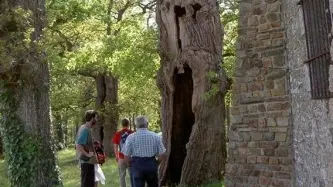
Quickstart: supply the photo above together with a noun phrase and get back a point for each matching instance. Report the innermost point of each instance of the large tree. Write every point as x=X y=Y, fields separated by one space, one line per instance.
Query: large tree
x=193 y=85
x=24 y=95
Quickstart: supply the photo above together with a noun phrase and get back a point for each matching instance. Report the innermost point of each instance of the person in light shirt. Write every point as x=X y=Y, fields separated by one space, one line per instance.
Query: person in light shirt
x=143 y=150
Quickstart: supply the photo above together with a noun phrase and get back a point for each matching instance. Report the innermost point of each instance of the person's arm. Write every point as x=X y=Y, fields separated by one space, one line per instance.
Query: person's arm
x=116 y=142
x=161 y=151
x=82 y=151
x=127 y=151
x=116 y=150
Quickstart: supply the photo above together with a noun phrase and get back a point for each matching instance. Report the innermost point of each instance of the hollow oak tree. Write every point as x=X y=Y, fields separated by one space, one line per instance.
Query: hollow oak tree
x=193 y=85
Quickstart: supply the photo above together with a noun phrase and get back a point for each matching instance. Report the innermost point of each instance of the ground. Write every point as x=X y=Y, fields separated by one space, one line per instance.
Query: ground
x=71 y=173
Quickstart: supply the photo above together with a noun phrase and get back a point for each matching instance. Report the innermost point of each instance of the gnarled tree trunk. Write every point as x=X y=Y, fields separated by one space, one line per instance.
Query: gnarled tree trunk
x=193 y=85
x=24 y=95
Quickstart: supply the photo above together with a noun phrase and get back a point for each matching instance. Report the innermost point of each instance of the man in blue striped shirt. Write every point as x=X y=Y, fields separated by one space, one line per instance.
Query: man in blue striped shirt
x=143 y=150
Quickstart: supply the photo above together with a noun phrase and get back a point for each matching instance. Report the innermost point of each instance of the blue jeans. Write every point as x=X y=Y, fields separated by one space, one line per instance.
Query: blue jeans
x=144 y=170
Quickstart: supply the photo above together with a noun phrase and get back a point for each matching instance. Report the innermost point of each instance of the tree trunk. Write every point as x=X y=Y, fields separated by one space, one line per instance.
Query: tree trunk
x=25 y=97
x=193 y=85
x=107 y=106
x=112 y=114
x=101 y=94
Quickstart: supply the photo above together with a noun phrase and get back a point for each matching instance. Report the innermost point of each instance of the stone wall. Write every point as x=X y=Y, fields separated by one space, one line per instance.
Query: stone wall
x=313 y=151
x=259 y=149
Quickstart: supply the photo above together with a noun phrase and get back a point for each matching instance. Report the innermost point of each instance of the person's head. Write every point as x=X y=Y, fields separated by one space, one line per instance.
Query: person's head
x=91 y=117
x=141 y=122
x=125 y=123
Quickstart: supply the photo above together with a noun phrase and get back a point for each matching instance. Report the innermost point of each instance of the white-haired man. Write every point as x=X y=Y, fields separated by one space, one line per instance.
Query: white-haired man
x=143 y=150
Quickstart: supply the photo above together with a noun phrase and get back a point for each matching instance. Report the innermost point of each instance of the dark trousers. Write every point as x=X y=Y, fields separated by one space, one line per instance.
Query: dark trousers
x=144 y=170
x=87 y=175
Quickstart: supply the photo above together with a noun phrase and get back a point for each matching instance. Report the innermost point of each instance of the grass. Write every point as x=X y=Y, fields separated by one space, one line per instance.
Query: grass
x=71 y=172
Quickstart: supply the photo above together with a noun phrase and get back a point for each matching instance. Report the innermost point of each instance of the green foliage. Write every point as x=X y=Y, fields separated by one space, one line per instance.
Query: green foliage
x=78 y=43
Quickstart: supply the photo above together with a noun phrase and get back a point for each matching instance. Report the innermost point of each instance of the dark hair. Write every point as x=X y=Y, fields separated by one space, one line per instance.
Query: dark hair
x=89 y=115
x=125 y=122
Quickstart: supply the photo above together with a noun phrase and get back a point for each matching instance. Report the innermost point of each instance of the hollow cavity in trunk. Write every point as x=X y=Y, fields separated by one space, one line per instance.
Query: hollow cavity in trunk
x=183 y=120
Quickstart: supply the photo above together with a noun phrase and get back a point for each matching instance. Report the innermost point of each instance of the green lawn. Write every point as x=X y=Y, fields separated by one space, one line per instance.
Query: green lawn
x=71 y=172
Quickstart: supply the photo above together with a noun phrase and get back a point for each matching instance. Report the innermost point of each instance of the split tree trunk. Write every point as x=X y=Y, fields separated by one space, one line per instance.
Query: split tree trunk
x=107 y=105
x=24 y=94
x=193 y=86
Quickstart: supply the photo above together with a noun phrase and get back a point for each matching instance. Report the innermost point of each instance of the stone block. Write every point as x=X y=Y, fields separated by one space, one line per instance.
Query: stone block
x=275 y=74
x=255 y=151
x=281 y=152
x=279 y=61
x=267 y=63
x=282 y=175
x=273 y=160
x=274 y=106
x=252 y=108
x=261 y=108
x=262 y=19
x=265 y=181
x=252 y=159
x=278 y=42
x=278 y=129
x=267 y=152
x=240 y=159
x=273 y=17
x=280 y=137
x=277 y=35
x=271 y=122
x=245 y=136
x=274 y=7
x=269 y=136
x=285 y=161
x=278 y=92
x=252 y=144
x=255 y=173
x=259 y=9
x=282 y=121
x=234 y=136
x=257 y=86
x=243 y=151
x=276 y=24
x=262 y=159
x=234 y=111
x=256 y=136
x=263 y=36
x=266 y=174
x=263 y=27
x=267 y=144
x=269 y=84
x=236 y=119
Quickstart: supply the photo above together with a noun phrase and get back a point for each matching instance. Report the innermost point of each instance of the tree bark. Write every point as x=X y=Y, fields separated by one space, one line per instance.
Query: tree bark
x=25 y=99
x=193 y=85
x=112 y=113
x=107 y=105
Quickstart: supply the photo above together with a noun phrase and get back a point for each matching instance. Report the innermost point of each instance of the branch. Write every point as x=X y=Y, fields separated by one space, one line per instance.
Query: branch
x=87 y=73
x=228 y=55
x=149 y=6
x=121 y=13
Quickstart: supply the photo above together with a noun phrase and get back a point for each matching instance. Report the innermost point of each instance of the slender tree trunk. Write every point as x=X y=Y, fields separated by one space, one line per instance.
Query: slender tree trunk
x=193 y=86
x=100 y=99
x=24 y=97
x=112 y=113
